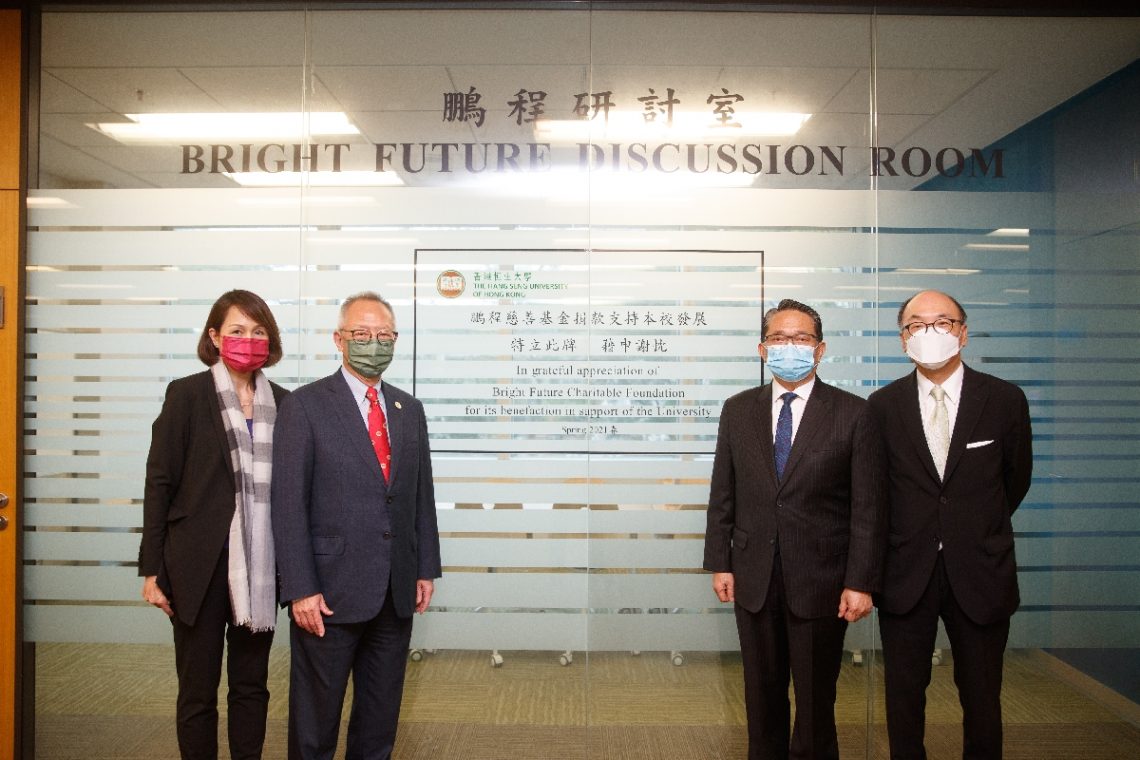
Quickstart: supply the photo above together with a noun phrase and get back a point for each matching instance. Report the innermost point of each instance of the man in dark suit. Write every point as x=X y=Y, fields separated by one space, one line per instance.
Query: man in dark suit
x=959 y=454
x=795 y=534
x=357 y=543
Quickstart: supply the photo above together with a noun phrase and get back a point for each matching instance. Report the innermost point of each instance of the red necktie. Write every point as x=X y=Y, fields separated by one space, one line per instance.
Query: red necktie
x=378 y=433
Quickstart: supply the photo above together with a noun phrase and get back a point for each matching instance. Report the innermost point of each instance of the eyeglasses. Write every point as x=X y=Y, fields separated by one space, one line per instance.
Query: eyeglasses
x=364 y=337
x=942 y=326
x=800 y=339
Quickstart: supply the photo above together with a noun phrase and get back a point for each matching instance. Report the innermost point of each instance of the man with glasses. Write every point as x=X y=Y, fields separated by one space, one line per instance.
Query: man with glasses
x=357 y=544
x=795 y=534
x=959 y=457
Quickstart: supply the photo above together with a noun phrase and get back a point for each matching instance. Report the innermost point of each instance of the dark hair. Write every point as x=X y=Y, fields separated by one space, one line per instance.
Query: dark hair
x=906 y=303
x=789 y=304
x=253 y=307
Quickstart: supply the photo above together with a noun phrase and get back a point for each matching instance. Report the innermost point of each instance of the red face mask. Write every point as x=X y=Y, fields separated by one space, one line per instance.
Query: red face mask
x=244 y=354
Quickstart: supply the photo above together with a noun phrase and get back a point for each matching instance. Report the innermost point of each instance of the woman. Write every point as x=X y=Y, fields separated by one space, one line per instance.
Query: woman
x=207 y=546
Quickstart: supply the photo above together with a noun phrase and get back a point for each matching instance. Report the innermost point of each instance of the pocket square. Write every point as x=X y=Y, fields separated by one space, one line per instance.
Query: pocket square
x=979 y=444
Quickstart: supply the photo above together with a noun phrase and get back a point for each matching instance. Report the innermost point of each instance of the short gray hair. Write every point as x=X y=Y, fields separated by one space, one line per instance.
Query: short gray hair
x=364 y=295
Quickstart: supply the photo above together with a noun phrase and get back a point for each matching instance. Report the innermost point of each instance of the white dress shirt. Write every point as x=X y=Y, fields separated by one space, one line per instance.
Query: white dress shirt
x=953 y=388
x=359 y=388
x=798 y=404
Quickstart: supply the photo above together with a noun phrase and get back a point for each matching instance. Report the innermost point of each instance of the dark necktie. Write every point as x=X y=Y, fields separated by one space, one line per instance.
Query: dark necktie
x=378 y=432
x=783 y=443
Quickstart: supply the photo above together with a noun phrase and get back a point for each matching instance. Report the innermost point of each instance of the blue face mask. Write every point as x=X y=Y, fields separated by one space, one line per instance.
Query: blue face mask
x=791 y=363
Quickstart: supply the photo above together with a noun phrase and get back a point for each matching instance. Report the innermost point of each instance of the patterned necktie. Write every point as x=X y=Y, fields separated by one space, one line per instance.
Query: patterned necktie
x=939 y=432
x=378 y=432
x=783 y=442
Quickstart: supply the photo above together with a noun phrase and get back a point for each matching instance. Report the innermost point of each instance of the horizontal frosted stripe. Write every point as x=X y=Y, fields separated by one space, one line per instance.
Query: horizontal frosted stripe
x=1059 y=519
x=1075 y=551
x=636 y=471
x=513 y=520
x=86 y=488
x=508 y=590
x=627 y=519
x=1079 y=588
x=1078 y=492
x=82 y=583
x=648 y=521
x=149 y=287
x=642 y=592
x=196 y=249
x=676 y=553
x=509 y=493
x=544 y=468
x=595 y=370
x=1074 y=629
x=128 y=485
x=111 y=547
x=113 y=625
x=601 y=446
x=1086 y=468
x=598 y=493
x=605 y=591
x=494 y=552
x=219 y=207
x=51 y=515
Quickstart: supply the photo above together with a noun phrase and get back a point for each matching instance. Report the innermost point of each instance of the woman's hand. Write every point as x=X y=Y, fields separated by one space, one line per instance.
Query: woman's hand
x=153 y=595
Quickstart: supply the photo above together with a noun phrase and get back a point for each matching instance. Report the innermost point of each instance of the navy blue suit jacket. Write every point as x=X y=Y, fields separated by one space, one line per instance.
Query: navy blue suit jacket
x=827 y=514
x=339 y=529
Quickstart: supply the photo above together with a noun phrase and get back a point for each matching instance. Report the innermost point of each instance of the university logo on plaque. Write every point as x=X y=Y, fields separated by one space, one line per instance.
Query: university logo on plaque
x=450 y=284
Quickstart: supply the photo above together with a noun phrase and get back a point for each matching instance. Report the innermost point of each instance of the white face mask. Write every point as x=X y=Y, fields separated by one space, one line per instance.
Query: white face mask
x=931 y=350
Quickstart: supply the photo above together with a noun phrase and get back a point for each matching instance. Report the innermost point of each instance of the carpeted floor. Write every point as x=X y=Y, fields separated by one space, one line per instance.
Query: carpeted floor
x=117 y=701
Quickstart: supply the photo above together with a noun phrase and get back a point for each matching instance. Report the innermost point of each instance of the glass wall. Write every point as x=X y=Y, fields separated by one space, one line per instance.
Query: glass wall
x=580 y=215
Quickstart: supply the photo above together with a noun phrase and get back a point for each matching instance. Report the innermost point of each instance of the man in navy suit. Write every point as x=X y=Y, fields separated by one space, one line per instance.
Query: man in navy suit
x=959 y=455
x=795 y=537
x=357 y=544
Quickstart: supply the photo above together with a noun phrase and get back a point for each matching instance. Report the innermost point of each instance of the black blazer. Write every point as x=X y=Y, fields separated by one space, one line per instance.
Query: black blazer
x=988 y=472
x=188 y=503
x=338 y=528
x=828 y=514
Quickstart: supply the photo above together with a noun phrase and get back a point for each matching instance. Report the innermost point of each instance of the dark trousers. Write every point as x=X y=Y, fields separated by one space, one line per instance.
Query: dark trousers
x=773 y=643
x=198 y=653
x=977 y=651
x=376 y=653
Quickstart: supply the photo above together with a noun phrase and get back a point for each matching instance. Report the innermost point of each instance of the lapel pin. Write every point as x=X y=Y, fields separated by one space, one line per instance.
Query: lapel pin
x=399 y=405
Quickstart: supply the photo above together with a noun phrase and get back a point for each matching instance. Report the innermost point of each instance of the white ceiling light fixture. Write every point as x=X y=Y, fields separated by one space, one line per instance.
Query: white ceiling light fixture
x=687 y=125
x=215 y=127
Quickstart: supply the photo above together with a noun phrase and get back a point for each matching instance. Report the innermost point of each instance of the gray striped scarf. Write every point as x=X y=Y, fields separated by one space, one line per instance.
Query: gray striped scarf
x=252 y=571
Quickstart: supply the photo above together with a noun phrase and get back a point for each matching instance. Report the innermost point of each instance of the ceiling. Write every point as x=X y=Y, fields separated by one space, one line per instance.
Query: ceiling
x=934 y=81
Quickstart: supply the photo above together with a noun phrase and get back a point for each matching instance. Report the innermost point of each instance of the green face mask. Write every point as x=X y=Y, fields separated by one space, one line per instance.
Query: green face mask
x=372 y=358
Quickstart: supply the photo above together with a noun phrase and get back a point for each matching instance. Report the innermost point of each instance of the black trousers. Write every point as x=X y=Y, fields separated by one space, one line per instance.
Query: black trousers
x=376 y=654
x=198 y=651
x=977 y=651
x=773 y=644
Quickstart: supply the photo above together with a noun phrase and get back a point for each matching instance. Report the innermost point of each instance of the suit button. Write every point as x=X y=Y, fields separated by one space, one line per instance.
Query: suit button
x=943 y=500
x=779 y=504
x=387 y=535
x=388 y=500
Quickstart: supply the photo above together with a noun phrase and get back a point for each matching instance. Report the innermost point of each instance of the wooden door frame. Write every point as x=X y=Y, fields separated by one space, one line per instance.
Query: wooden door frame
x=13 y=106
